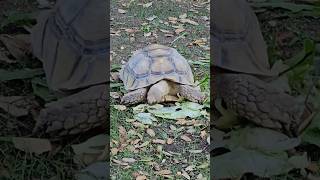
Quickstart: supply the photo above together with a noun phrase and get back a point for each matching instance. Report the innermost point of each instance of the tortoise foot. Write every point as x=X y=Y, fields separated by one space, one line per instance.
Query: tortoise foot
x=261 y=103
x=74 y=114
x=191 y=93
x=134 y=97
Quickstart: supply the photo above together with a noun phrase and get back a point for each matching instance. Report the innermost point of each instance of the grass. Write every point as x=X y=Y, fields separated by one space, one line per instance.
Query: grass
x=153 y=157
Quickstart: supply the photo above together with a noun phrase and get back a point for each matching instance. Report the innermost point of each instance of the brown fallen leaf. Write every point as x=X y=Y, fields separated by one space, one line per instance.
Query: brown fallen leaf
x=122 y=11
x=186 y=138
x=115 y=76
x=203 y=134
x=18 y=45
x=131 y=30
x=129 y=160
x=189 y=168
x=115 y=95
x=16 y=106
x=186 y=175
x=138 y=125
x=169 y=141
x=151 y=132
x=163 y=172
x=159 y=141
x=147 y=5
x=181 y=122
x=199 y=42
x=120 y=107
x=136 y=141
x=179 y=30
x=123 y=134
x=32 y=145
x=189 y=21
x=114 y=151
x=183 y=16
x=120 y=162
x=173 y=20
x=141 y=177
x=313 y=167
x=164 y=31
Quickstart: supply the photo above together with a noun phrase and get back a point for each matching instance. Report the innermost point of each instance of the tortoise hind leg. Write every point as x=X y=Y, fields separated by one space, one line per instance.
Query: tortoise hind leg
x=262 y=103
x=191 y=93
x=134 y=97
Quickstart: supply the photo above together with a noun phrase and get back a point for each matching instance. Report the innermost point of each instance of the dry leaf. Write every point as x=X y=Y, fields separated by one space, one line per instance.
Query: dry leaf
x=164 y=31
x=131 y=30
x=120 y=162
x=163 y=172
x=200 y=42
x=172 y=127
x=185 y=174
x=159 y=141
x=185 y=138
x=147 y=5
x=181 y=122
x=122 y=11
x=128 y=160
x=151 y=18
x=138 y=125
x=173 y=20
x=141 y=177
x=169 y=141
x=32 y=145
x=115 y=95
x=120 y=107
x=183 y=16
x=203 y=134
x=189 y=168
x=18 y=45
x=114 y=151
x=136 y=141
x=143 y=144
x=147 y=34
x=115 y=76
x=151 y=132
x=196 y=151
x=200 y=177
x=123 y=134
x=179 y=30
x=189 y=21
x=15 y=105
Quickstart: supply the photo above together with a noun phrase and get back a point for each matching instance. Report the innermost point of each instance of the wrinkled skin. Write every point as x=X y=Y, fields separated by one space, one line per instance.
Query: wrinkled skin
x=159 y=92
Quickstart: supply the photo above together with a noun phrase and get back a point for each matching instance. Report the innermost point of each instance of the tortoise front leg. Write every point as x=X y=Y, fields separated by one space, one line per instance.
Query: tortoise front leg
x=134 y=97
x=191 y=93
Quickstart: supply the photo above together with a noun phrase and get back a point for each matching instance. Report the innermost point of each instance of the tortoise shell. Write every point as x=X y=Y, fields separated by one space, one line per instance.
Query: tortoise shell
x=238 y=44
x=74 y=54
x=154 y=63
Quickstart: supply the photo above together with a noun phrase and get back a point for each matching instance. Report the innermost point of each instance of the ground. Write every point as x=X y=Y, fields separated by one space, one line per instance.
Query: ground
x=177 y=149
x=22 y=80
x=134 y=25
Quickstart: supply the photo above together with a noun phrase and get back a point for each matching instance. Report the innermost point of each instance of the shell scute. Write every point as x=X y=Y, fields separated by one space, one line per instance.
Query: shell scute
x=154 y=63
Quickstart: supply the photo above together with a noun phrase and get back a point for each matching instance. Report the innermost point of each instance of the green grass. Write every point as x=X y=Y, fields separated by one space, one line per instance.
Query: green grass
x=181 y=157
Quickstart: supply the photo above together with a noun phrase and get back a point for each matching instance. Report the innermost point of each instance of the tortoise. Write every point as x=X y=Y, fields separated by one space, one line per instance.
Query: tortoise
x=74 y=57
x=243 y=76
x=156 y=72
